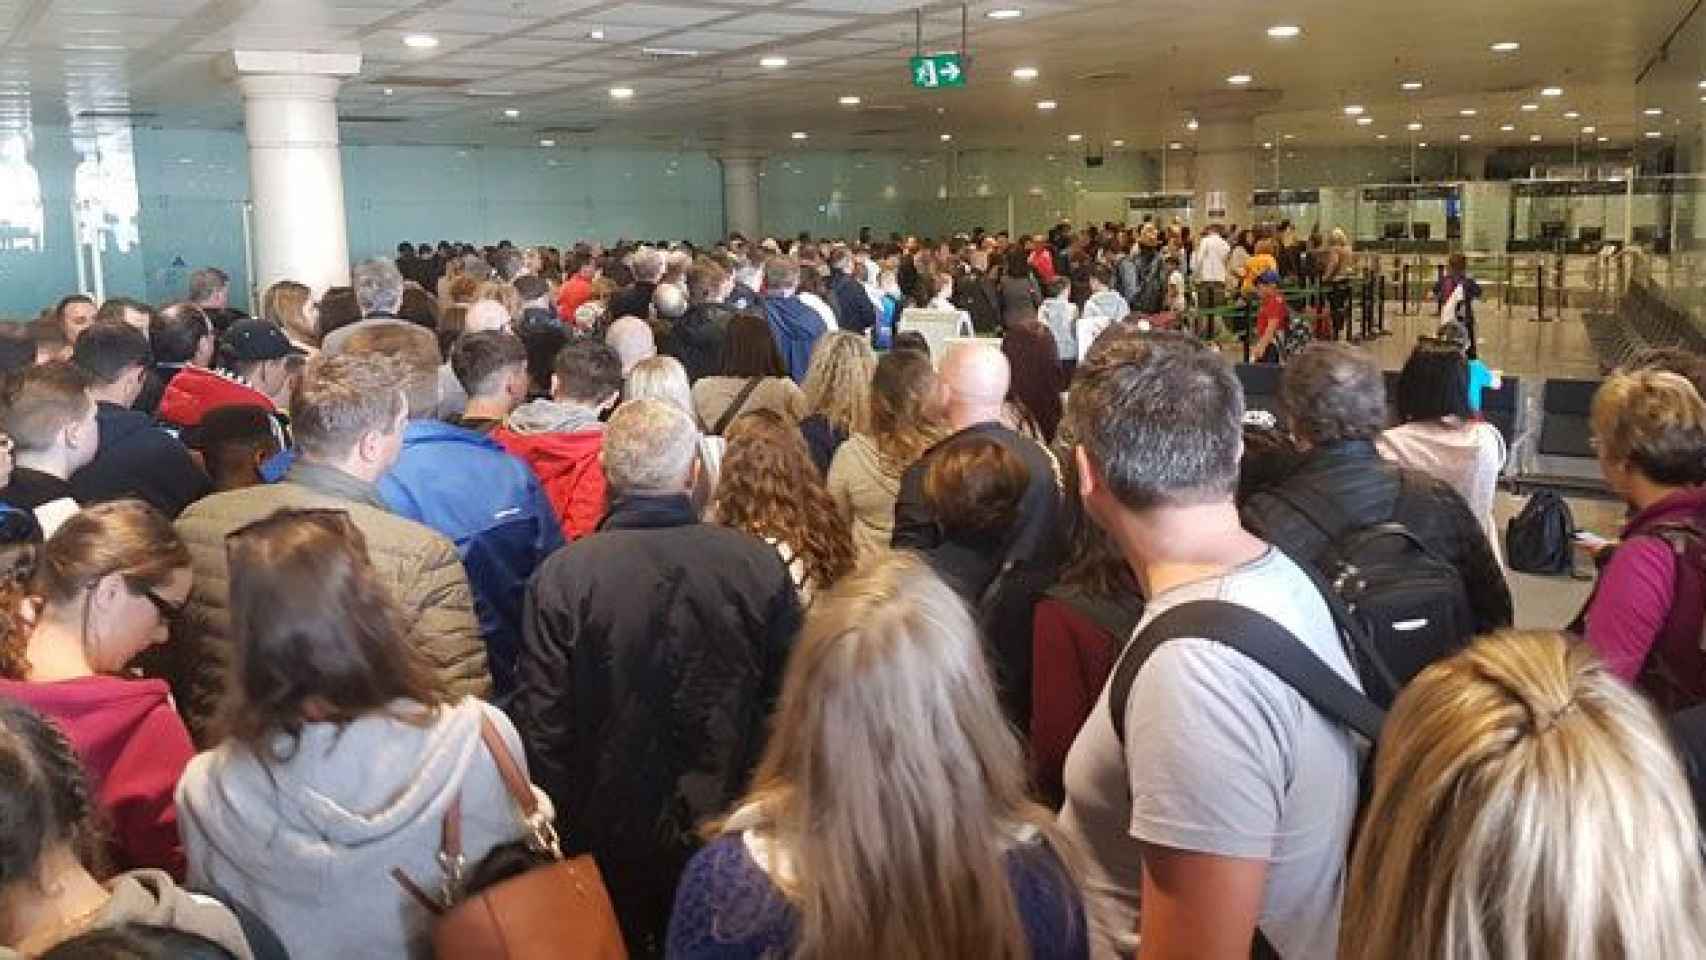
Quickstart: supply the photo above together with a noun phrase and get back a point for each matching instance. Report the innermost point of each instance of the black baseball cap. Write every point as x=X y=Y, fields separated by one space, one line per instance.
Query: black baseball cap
x=253 y=340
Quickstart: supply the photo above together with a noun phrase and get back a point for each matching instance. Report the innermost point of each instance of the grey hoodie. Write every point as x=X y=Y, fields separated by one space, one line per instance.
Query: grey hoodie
x=309 y=844
x=552 y=416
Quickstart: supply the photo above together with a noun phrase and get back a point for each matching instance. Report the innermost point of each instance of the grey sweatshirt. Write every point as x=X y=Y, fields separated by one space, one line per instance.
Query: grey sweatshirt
x=309 y=844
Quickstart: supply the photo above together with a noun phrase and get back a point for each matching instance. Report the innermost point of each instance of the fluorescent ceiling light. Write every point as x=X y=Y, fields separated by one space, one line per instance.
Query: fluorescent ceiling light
x=772 y=62
x=1653 y=112
x=1046 y=104
x=1534 y=138
x=1380 y=136
x=1530 y=107
x=1267 y=144
x=622 y=93
x=1505 y=46
x=1572 y=115
x=1354 y=110
x=547 y=143
x=1552 y=92
x=1602 y=139
x=1284 y=31
x=1005 y=13
x=1024 y=73
x=1364 y=121
x=1467 y=112
x=1423 y=144
x=1192 y=124
x=799 y=134
x=595 y=35
x=1074 y=137
x=946 y=137
x=1590 y=129
x=1116 y=143
x=668 y=52
x=1175 y=145
x=1465 y=137
x=1239 y=79
x=512 y=113
x=849 y=101
x=1411 y=85
x=1412 y=126
x=1653 y=134
x=420 y=41
x=1288 y=136
x=388 y=91
x=1507 y=127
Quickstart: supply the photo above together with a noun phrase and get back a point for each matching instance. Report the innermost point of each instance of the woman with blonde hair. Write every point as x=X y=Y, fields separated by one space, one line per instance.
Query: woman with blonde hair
x=500 y=292
x=290 y=306
x=1526 y=804
x=864 y=477
x=888 y=816
x=770 y=489
x=1648 y=608
x=838 y=394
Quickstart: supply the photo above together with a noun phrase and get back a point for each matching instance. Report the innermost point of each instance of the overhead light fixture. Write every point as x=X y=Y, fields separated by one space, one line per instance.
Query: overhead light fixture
x=420 y=41
x=1507 y=127
x=1529 y=107
x=595 y=35
x=1423 y=144
x=512 y=113
x=1653 y=134
x=547 y=142
x=1590 y=129
x=1364 y=121
x=1467 y=112
x=1380 y=136
x=1116 y=143
x=1074 y=137
x=1505 y=46
x=773 y=62
x=621 y=93
x=1411 y=85
x=1267 y=144
x=1288 y=136
x=1024 y=73
x=1412 y=126
x=1175 y=145
x=1552 y=92
x=1465 y=137
x=1701 y=84
x=1284 y=31
x=1046 y=104
x=1653 y=112
x=1354 y=110
x=1572 y=114
x=1602 y=139
x=1005 y=13
x=1239 y=79
x=1534 y=138
x=946 y=137
x=849 y=101
x=799 y=135
x=388 y=91
x=1192 y=124
x=669 y=52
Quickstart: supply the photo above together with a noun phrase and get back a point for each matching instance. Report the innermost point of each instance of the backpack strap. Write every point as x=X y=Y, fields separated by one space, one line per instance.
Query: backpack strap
x=1261 y=639
x=736 y=406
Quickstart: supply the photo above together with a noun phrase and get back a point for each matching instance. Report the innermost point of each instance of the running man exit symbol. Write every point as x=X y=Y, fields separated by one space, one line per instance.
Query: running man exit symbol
x=937 y=71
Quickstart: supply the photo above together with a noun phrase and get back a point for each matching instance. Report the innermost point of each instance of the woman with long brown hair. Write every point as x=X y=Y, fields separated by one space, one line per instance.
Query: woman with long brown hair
x=770 y=488
x=343 y=756
x=110 y=584
x=290 y=306
x=864 y=477
x=888 y=817
x=1033 y=394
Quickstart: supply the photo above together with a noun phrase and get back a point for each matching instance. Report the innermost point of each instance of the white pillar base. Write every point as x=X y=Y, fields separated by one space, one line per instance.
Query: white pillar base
x=742 y=213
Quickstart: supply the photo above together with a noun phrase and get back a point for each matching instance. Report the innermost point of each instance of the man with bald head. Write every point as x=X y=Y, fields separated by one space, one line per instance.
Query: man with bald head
x=971 y=389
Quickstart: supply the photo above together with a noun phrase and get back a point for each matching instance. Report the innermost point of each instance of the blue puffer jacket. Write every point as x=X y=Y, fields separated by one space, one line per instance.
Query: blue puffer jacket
x=796 y=328
x=492 y=507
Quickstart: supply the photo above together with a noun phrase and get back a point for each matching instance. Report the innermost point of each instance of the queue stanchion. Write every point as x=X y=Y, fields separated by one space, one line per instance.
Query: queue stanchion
x=1404 y=294
x=1380 y=304
x=1540 y=291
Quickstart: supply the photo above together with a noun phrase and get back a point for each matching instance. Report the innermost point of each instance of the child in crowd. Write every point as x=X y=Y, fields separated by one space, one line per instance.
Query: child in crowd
x=1060 y=315
x=1271 y=319
x=1481 y=377
x=1104 y=308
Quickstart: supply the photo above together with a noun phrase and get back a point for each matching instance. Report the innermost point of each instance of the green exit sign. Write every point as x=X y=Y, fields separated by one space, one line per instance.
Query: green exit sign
x=938 y=70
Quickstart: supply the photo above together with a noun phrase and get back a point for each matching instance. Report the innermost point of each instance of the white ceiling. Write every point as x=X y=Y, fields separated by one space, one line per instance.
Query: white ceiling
x=1118 y=69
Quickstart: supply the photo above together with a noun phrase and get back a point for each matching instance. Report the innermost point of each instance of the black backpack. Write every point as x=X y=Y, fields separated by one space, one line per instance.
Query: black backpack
x=1538 y=539
x=1410 y=605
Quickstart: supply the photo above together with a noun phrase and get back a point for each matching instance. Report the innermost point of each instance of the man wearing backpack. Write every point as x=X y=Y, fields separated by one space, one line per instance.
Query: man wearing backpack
x=1403 y=549
x=1217 y=794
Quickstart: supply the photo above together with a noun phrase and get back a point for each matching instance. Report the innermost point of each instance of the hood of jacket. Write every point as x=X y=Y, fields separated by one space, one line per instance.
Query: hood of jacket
x=793 y=317
x=150 y=898
x=342 y=791
x=117 y=424
x=555 y=456
x=551 y=416
x=197 y=390
x=101 y=714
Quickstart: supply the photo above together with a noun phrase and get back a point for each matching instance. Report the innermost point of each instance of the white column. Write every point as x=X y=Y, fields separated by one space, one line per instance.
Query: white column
x=295 y=171
x=741 y=211
x=1225 y=171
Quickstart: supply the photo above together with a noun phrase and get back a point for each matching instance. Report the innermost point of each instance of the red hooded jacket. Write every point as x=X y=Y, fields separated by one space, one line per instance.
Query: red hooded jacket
x=568 y=466
x=197 y=390
x=134 y=747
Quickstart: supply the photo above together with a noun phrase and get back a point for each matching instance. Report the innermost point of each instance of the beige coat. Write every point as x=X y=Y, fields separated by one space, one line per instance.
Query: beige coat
x=864 y=493
x=420 y=566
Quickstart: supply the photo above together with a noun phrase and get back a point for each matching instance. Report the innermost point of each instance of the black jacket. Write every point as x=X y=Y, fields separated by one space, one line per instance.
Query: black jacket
x=30 y=489
x=138 y=459
x=1365 y=487
x=652 y=655
x=853 y=307
x=1036 y=541
x=634 y=301
x=697 y=338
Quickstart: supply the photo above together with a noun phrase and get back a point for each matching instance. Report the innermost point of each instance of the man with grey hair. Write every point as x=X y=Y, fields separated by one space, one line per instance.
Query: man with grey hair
x=633 y=341
x=636 y=298
x=210 y=289
x=378 y=288
x=1334 y=398
x=653 y=654
x=793 y=323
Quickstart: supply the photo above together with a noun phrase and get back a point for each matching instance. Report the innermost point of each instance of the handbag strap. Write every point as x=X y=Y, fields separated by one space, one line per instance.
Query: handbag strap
x=736 y=406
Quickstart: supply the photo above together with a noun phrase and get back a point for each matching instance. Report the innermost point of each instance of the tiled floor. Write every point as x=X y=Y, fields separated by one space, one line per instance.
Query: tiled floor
x=1550 y=603
x=1515 y=343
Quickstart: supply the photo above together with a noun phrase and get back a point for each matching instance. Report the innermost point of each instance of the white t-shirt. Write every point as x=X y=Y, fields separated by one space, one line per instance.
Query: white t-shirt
x=1222 y=757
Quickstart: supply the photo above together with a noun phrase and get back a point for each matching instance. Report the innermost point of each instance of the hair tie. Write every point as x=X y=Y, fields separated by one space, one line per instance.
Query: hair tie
x=1551 y=720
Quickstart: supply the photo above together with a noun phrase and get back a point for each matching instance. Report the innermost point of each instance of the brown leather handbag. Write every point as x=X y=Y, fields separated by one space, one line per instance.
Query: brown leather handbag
x=556 y=907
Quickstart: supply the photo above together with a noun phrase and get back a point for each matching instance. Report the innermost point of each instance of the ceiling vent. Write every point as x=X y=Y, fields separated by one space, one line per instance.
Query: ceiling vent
x=368 y=118
x=569 y=129
x=879 y=132
x=423 y=83
x=1107 y=76
x=116 y=115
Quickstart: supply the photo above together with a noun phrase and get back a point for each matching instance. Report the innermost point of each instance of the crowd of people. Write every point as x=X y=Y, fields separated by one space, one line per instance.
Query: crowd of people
x=822 y=639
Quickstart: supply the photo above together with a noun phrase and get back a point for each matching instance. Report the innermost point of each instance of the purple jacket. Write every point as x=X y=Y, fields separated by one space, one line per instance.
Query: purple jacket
x=1646 y=614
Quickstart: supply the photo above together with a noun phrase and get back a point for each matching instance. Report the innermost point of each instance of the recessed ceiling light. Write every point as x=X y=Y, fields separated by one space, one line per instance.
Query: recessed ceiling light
x=512 y=113
x=1465 y=137
x=1005 y=13
x=1024 y=73
x=1529 y=107
x=1653 y=112
x=1074 y=137
x=1602 y=139
x=1701 y=84
x=547 y=143
x=1423 y=144
x=388 y=91
x=1552 y=92
x=1046 y=104
x=1534 y=138
x=1239 y=79
x=1267 y=144
x=946 y=137
x=1590 y=129
x=622 y=93
x=1380 y=136
x=1412 y=126
x=1116 y=143
x=1192 y=124
x=1507 y=127
x=1284 y=31
x=772 y=63
x=595 y=35
x=1354 y=110
x=799 y=135
x=1505 y=46
x=1288 y=136
x=1467 y=112
x=1364 y=121
x=1572 y=114
x=1175 y=145
x=1411 y=85
x=1653 y=134
x=420 y=41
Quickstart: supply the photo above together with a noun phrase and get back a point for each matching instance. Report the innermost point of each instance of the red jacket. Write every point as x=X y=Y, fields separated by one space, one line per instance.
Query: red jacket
x=197 y=390
x=575 y=291
x=568 y=465
x=134 y=748
x=1071 y=657
x=1043 y=263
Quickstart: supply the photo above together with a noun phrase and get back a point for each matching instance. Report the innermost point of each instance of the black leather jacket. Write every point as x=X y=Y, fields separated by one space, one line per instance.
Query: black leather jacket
x=1365 y=487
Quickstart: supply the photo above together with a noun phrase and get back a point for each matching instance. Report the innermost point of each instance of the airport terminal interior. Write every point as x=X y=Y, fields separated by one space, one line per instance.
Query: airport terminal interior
x=797 y=440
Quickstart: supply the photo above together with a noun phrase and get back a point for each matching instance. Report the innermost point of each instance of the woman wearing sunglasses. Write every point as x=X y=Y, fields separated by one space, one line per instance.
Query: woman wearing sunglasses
x=109 y=584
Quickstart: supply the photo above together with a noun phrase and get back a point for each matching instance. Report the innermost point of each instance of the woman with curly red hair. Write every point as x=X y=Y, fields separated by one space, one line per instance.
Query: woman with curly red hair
x=771 y=489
